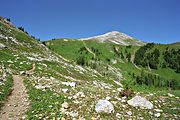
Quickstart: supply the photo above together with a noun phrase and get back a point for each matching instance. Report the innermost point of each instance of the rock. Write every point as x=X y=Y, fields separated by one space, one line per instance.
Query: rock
x=15 y=105
x=22 y=72
x=157 y=115
x=123 y=99
x=78 y=95
x=170 y=95
x=69 y=97
x=71 y=84
x=114 y=61
x=104 y=106
x=63 y=110
x=94 y=118
x=65 y=105
x=108 y=98
x=118 y=115
x=129 y=113
x=120 y=89
x=118 y=83
x=63 y=118
x=150 y=113
x=75 y=97
x=141 y=102
x=151 y=94
x=23 y=117
x=39 y=87
x=73 y=114
x=158 y=110
x=65 y=90
x=81 y=94
x=50 y=106
x=124 y=106
x=2 y=45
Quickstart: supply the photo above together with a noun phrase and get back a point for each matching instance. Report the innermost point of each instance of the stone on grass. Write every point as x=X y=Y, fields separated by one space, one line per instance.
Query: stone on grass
x=157 y=115
x=170 y=95
x=158 y=110
x=141 y=102
x=108 y=98
x=118 y=115
x=65 y=105
x=63 y=118
x=71 y=84
x=2 y=45
x=104 y=106
x=129 y=113
x=73 y=114
x=65 y=90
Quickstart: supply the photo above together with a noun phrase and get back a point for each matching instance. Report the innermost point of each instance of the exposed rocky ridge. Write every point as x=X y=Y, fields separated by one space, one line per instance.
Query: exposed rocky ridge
x=117 y=38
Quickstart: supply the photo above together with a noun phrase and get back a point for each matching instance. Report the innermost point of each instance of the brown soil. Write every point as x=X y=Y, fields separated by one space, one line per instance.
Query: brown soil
x=17 y=103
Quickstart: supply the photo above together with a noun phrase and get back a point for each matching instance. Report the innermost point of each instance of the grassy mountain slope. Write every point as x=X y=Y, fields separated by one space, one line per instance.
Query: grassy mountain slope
x=116 y=56
x=176 y=43
x=57 y=77
x=110 y=53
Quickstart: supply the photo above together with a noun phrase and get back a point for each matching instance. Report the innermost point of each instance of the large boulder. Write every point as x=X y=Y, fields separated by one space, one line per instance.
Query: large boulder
x=141 y=102
x=104 y=106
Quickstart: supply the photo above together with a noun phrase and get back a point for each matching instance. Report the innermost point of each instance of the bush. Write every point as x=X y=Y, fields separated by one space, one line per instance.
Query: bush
x=156 y=81
x=81 y=60
x=21 y=28
x=127 y=92
x=8 y=19
x=172 y=59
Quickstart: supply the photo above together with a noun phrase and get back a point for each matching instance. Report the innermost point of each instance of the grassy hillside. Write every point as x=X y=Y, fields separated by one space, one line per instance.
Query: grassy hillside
x=79 y=74
x=112 y=54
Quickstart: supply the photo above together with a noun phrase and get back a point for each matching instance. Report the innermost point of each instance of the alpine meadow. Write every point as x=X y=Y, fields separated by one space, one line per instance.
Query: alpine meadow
x=90 y=60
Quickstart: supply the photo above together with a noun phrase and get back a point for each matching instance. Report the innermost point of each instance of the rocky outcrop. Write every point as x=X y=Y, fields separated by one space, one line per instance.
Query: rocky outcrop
x=141 y=102
x=117 y=38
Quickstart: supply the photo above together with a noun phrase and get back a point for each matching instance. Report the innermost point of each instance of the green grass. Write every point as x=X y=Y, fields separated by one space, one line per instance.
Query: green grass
x=44 y=104
x=167 y=73
x=5 y=89
x=66 y=49
x=69 y=49
x=47 y=104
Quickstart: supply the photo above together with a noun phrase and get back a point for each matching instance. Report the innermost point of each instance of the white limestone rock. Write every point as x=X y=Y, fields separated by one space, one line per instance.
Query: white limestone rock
x=2 y=46
x=65 y=90
x=65 y=105
x=170 y=95
x=141 y=102
x=71 y=84
x=104 y=106
x=129 y=113
x=157 y=115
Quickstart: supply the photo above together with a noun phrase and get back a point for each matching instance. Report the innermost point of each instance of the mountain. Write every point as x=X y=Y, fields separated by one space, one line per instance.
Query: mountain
x=85 y=79
x=117 y=38
x=176 y=43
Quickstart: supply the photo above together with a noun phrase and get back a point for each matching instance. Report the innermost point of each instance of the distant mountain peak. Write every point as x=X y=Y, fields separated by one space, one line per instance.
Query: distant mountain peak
x=117 y=38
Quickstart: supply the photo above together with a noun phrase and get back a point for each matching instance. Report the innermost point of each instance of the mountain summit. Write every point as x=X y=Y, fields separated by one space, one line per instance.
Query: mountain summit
x=117 y=38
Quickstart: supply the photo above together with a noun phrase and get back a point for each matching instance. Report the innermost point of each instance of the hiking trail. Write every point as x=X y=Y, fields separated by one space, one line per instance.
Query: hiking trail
x=17 y=102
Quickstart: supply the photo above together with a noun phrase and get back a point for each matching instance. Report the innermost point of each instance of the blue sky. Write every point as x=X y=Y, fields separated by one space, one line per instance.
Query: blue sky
x=148 y=20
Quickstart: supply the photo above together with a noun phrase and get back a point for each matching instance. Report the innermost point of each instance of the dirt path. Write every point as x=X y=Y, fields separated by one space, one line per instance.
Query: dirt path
x=89 y=50
x=17 y=102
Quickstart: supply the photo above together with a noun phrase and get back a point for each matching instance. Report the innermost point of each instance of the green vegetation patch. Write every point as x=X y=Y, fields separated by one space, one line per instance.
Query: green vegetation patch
x=5 y=89
x=44 y=104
